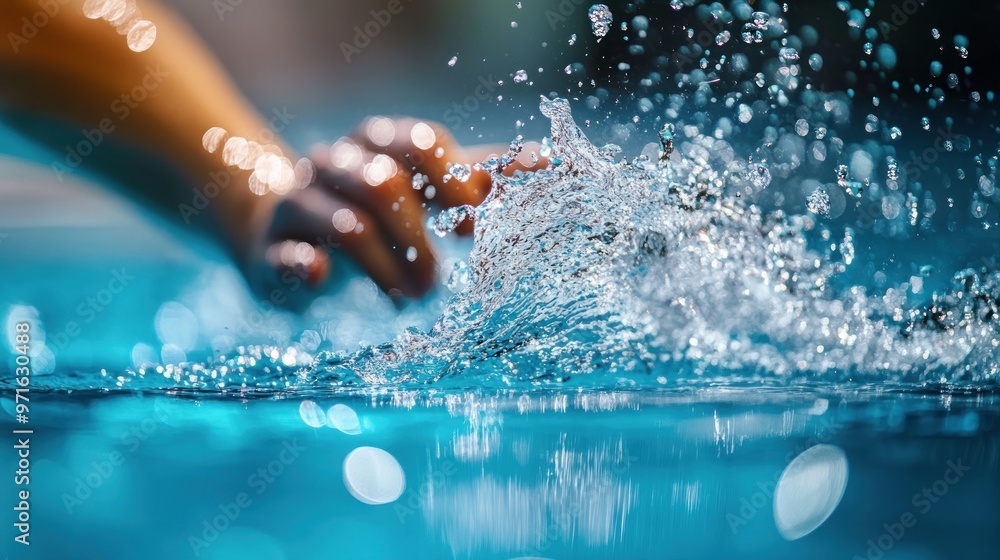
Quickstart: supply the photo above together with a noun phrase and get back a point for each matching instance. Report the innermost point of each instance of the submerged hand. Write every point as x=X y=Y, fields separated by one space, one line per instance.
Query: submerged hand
x=364 y=203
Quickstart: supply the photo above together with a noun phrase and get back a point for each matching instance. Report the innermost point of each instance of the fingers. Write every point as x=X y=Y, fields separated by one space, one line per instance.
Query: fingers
x=363 y=203
x=378 y=184
x=428 y=148
x=328 y=224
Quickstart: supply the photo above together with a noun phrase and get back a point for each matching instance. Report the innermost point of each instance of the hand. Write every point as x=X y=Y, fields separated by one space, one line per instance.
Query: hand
x=363 y=205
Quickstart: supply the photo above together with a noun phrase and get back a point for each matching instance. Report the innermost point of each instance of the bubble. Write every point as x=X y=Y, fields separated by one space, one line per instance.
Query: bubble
x=343 y=418
x=760 y=20
x=373 y=476
x=520 y=76
x=142 y=35
x=213 y=138
x=758 y=175
x=423 y=136
x=809 y=490
x=788 y=54
x=802 y=127
x=344 y=220
x=453 y=60
x=745 y=113
x=816 y=62
x=312 y=414
x=886 y=56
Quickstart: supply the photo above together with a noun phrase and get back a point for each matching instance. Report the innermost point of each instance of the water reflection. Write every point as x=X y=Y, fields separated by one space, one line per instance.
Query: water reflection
x=575 y=496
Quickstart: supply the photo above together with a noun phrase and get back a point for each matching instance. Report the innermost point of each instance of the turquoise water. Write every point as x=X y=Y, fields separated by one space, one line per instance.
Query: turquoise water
x=761 y=330
x=492 y=474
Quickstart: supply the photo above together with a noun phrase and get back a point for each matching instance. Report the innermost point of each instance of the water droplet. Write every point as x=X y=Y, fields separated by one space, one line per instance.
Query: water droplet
x=600 y=19
x=460 y=171
x=816 y=62
x=788 y=54
x=819 y=203
x=759 y=175
x=893 y=169
x=666 y=136
x=449 y=219
x=760 y=20
x=453 y=60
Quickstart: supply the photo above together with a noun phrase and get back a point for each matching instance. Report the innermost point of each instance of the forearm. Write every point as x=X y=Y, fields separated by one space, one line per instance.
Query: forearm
x=162 y=100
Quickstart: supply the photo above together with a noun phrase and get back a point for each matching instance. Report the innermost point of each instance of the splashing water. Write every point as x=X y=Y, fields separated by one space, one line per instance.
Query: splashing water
x=636 y=269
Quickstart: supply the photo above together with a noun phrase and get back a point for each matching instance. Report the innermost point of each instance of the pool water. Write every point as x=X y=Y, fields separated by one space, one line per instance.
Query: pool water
x=767 y=328
x=693 y=473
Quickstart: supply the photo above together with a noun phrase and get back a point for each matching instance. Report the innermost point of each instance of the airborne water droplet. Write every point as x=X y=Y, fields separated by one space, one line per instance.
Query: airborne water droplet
x=600 y=19
x=819 y=203
x=446 y=222
x=460 y=171
x=666 y=136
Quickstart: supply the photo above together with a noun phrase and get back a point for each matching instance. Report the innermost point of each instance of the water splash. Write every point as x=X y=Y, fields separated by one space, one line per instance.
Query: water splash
x=632 y=270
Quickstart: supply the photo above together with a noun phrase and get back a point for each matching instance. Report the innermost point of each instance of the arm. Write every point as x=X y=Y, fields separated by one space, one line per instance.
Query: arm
x=81 y=71
x=361 y=203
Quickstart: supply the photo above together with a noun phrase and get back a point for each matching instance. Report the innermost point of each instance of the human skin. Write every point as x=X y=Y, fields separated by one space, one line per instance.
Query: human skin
x=79 y=71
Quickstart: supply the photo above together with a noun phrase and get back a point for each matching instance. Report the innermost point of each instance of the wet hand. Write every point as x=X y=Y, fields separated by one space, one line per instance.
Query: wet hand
x=369 y=202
